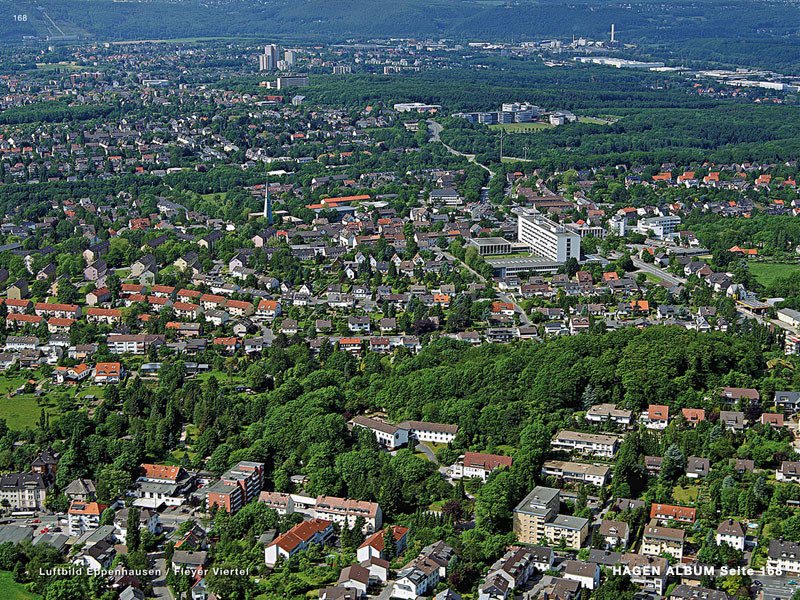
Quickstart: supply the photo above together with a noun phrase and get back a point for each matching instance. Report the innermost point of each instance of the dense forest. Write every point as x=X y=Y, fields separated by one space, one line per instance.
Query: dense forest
x=672 y=22
x=645 y=136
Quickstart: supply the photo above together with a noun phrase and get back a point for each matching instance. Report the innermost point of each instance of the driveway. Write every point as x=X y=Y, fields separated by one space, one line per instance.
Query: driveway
x=386 y=592
x=427 y=451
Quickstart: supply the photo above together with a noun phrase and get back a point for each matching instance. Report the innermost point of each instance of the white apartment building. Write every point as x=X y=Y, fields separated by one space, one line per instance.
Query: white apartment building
x=663 y=539
x=586 y=443
x=660 y=227
x=547 y=238
x=84 y=516
x=389 y=436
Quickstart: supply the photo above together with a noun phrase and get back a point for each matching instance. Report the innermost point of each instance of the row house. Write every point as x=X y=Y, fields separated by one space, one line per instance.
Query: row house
x=122 y=343
x=185 y=310
x=669 y=512
x=18 y=306
x=52 y=309
x=107 y=316
x=16 y=321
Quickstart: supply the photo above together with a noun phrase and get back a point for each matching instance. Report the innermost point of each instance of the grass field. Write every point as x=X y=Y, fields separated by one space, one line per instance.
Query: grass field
x=766 y=272
x=22 y=411
x=11 y=590
x=521 y=127
x=19 y=411
x=651 y=277
x=685 y=496
x=63 y=66
x=592 y=120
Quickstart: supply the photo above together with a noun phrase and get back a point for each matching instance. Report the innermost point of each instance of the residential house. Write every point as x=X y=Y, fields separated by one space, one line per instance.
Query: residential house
x=732 y=533
x=669 y=512
x=476 y=464
x=298 y=538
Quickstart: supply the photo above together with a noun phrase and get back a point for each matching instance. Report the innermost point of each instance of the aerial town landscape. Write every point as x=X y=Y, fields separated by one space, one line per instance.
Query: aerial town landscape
x=400 y=314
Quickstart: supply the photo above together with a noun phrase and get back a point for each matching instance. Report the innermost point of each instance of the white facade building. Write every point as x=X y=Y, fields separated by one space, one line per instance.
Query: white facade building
x=547 y=238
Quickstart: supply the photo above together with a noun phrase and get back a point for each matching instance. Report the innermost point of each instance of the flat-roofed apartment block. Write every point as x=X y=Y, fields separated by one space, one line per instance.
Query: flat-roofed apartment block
x=577 y=472
x=663 y=539
x=533 y=512
x=572 y=530
x=547 y=238
x=536 y=519
x=237 y=487
x=586 y=443
x=608 y=413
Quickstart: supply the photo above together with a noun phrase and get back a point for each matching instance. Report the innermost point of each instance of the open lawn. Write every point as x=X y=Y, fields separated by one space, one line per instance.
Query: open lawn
x=767 y=272
x=521 y=127
x=592 y=120
x=651 y=277
x=20 y=411
x=685 y=496
x=222 y=377
x=11 y=590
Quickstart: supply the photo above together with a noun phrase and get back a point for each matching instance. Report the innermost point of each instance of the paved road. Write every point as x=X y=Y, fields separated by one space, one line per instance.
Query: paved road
x=776 y=588
x=435 y=129
x=658 y=272
x=386 y=592
x=160 y=588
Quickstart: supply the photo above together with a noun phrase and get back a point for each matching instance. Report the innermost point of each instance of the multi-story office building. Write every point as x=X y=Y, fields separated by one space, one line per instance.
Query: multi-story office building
x=547 y=238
